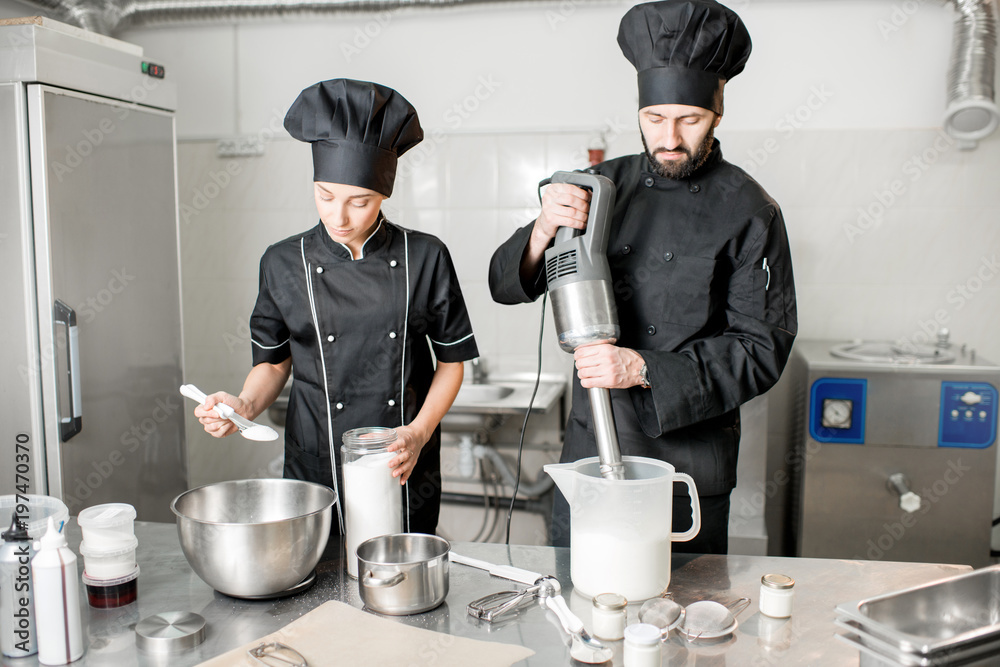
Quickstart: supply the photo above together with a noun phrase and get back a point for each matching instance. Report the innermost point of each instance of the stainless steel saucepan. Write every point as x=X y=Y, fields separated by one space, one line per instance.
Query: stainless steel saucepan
x=403 y=573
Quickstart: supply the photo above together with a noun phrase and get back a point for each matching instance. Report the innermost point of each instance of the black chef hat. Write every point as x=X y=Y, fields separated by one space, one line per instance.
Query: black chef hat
x=684 y=50
x=357 y=130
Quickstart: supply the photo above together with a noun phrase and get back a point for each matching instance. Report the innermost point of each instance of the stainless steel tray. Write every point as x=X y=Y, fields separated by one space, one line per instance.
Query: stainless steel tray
x=937 y=616
x=873 y=658
x=954 y=656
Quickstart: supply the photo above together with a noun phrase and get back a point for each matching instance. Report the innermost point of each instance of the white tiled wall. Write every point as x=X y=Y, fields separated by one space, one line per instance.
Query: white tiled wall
x=886 y=280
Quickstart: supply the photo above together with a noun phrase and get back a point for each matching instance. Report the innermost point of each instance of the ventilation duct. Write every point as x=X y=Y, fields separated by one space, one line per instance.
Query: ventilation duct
x=972 y=112
x=108 y=17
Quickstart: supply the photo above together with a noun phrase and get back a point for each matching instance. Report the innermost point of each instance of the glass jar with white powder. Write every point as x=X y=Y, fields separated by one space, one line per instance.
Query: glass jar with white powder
x=372 y=496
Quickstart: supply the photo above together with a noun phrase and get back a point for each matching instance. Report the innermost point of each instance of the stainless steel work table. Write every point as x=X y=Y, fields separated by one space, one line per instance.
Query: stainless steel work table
x=167 y=583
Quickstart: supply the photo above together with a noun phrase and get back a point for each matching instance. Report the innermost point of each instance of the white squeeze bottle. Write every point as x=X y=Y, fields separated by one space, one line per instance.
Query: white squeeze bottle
x=58 y=629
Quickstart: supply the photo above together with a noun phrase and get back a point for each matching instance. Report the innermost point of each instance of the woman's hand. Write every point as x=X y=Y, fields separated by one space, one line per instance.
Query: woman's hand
x=409 y=442
x=216 y=426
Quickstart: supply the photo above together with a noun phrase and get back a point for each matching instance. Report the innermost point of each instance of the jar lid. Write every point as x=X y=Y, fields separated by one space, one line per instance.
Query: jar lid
x=109 y=551
x=643 y=633
x=777 y=581
x=610 y=601
x=117 y=581
x=368 y=438
x=107 y=515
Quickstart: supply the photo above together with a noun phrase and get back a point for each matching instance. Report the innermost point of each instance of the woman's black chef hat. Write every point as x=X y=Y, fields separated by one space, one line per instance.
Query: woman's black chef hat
x=684 y=51
x=357 y=130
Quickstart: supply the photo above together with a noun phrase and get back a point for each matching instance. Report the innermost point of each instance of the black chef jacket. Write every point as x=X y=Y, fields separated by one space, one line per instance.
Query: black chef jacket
x=702 y=280
x=357 y=332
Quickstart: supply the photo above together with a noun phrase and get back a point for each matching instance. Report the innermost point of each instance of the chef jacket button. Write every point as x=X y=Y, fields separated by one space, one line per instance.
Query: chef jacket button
x=626 y=250
x=392 y=334
x=667 y=256
x=391 y=402
x=651 y=330
x=393 y=264
x=694 y=187
x=319 y=269
x=331 y=338
x=340 y=406
x=649 y=181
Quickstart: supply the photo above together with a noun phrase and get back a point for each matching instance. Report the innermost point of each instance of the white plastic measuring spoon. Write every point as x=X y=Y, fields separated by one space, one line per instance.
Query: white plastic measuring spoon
x=248 y=429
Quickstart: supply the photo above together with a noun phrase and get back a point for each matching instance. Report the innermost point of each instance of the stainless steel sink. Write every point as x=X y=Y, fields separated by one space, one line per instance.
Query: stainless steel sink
x=482 y=393
x=509 y=394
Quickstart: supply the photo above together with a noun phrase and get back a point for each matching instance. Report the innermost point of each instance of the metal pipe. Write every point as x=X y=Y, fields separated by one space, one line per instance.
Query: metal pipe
x=542 y=484
x=606 y=434
x=971 y=113
x=111 y=16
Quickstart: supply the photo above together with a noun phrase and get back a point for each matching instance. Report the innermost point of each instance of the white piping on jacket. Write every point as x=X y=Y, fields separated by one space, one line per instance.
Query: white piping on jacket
x=462 y=339
x=329 y=418
x=269 y=347
x=350 y=253
x=402 y=365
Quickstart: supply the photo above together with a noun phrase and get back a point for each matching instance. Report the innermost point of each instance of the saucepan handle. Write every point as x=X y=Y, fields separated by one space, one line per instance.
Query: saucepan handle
x=695 y=510
x=372 y=582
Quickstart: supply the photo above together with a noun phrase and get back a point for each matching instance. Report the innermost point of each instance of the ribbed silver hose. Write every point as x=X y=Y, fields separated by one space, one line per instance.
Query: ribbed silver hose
x=111 y=16
x=971 y=110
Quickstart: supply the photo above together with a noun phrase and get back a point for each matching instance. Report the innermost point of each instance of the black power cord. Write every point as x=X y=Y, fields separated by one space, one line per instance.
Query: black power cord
x=527 y=413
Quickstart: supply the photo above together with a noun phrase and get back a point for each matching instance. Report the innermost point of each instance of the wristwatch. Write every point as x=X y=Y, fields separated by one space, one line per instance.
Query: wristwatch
x=644 y=377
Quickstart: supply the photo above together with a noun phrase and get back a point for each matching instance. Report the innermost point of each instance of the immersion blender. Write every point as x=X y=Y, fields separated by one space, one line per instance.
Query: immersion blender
x=579 y=280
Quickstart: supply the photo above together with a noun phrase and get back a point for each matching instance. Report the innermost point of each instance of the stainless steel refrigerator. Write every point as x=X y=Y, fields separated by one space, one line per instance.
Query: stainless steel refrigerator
x=90 y=316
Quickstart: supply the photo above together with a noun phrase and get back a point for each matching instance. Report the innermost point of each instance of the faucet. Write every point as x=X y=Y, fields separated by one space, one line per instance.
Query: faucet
x=478 y=371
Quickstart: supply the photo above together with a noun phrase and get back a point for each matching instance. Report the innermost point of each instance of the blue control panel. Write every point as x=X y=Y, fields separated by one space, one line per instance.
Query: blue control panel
x=837 y=410
x=968 y=415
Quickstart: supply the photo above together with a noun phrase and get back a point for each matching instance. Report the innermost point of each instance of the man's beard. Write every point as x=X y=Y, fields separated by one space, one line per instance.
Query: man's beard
x=680 y=169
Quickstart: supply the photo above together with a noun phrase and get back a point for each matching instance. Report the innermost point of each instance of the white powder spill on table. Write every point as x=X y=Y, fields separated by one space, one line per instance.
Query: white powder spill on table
x=372 y=503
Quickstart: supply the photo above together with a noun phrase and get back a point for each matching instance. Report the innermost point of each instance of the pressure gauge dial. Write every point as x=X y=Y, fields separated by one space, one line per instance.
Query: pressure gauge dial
x=837 y=412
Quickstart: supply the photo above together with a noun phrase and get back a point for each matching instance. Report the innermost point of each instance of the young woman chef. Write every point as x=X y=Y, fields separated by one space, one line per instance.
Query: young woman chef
x=348 y=308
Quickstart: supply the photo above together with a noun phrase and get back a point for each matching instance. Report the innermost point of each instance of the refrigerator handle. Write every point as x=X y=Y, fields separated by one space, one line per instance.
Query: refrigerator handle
x=70 y=426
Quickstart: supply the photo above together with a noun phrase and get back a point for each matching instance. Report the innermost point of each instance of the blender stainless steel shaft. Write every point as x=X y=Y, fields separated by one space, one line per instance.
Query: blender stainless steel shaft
x=579 y=281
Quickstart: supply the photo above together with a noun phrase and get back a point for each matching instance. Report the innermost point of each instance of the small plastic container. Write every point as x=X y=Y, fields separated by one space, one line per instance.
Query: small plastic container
x=776 y=594
x=608 y=616
x=108 y=563
x=112 y=593
x=108 y=526
x=40 y=508
x=642 y=645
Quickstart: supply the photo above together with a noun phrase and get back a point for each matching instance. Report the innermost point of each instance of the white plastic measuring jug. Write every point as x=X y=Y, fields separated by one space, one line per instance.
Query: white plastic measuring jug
x=620 y=531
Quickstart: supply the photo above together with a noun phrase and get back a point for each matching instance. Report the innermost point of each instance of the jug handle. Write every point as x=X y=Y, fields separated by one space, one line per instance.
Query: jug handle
x=695 y=510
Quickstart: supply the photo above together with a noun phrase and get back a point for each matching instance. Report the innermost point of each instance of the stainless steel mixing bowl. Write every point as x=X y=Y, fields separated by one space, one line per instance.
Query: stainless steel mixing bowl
x=254 y=537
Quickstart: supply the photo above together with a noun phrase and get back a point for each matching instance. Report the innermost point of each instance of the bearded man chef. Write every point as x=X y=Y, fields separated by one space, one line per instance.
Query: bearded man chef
x=700 y=265
x=353 y=307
